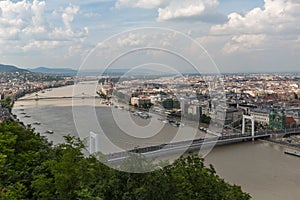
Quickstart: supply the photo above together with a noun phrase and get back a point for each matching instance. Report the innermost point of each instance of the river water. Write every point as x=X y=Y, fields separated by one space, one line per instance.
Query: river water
x=261 y=168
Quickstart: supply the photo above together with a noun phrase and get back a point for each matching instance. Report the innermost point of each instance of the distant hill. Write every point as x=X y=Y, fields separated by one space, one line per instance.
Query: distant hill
x=46 y=70
x=11 y=68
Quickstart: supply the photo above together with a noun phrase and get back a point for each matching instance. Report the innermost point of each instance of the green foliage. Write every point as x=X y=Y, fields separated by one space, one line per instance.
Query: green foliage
x=205 y=119
x=30 y=168
x=190 y=179
x=6 y=102
x=21 y=151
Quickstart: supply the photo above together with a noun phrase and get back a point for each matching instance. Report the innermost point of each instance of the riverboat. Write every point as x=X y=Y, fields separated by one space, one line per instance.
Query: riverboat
x=49 y=132
x=292 y=152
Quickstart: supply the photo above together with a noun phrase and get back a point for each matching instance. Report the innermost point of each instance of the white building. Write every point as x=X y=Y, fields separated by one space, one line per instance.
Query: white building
x=261 y=116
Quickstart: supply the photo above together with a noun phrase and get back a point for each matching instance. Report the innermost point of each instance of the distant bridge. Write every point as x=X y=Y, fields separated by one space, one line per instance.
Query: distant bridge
x=40 y=97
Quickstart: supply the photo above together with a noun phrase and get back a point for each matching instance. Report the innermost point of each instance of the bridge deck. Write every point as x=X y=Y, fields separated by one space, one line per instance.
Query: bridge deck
x=167 y=149
x=172 y=148
x=49 y=98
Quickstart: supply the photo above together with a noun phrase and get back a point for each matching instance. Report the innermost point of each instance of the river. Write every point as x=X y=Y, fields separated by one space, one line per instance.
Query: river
x=261 y=168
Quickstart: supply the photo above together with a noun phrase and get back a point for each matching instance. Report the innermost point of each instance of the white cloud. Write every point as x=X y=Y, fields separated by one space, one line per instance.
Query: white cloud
x=173 y=13
x=38 y=9
x=249 y=40
x=145 y=38
x=147 y=4
x=28 y=24
x=185 y=9
x=40 y=45
x=131 y=40
x=177 y=9
x=68 y=15
x=244 y=43
x=254 y=30
x=277 y=16
x=15 y=17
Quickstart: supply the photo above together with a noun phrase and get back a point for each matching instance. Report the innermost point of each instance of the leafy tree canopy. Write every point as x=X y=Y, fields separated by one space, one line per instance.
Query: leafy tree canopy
x=31 y=168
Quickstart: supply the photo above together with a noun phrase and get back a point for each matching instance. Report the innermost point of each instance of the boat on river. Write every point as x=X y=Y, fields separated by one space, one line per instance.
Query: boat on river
x=142 y=115
x=292 y=152
x=49 y=132
x=175 y=123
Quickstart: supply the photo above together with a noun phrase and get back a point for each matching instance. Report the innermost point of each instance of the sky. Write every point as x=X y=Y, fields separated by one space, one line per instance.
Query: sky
x=236 y=36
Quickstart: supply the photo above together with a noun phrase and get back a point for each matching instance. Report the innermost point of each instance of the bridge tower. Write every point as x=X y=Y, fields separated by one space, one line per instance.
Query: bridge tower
x=94 y=143
x=252 y=125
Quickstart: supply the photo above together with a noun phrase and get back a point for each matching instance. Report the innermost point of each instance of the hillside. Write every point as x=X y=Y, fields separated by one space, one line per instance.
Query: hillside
x=46 y=70
x=11 y=68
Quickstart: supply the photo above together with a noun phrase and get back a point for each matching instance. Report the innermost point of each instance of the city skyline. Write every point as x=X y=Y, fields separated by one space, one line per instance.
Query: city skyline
x=253 y=36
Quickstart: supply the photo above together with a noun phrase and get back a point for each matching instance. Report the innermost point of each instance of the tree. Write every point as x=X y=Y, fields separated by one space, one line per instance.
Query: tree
x=31 y=168
x=205 y=119
x=186 y=178
x=21 y=151
x=6 y=103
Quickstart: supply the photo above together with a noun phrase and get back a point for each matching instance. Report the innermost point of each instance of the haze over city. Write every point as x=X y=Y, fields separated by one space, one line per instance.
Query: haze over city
x=248 y=36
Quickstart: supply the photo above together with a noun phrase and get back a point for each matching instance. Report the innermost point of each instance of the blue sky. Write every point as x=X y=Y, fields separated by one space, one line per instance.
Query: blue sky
x=228 y=6
x=240 y=36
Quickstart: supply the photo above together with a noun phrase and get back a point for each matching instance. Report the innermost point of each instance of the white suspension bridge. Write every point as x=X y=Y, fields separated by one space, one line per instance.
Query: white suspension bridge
x=155 y=150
